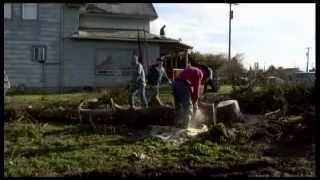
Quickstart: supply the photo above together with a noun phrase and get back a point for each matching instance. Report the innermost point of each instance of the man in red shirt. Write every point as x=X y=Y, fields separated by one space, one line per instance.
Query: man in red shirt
x=207 y=77
x=186 y=89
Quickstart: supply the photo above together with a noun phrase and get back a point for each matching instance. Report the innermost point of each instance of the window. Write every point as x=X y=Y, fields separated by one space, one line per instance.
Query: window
x=7 y=11
x=39 y=53
x=29 y=11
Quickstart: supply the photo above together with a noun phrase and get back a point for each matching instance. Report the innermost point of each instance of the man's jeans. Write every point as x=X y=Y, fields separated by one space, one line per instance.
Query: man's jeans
x=141 y=91
x=154 y=96
x=183 y=103
x=209 y=82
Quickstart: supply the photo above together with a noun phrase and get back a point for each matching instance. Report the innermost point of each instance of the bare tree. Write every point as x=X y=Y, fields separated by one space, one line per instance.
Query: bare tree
x=235 y=70
x=215 y=61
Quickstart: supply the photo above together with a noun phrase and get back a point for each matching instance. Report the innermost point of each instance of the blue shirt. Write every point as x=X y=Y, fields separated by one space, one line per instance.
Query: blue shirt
x=156 y=74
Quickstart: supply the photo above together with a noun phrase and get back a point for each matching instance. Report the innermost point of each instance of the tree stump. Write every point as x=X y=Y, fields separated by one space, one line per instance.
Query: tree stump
x=209 y=111
x=228 y=112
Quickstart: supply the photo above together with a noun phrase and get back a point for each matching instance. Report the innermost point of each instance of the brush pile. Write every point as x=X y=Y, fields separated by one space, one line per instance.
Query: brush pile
x=273 y=127
x=284 y=129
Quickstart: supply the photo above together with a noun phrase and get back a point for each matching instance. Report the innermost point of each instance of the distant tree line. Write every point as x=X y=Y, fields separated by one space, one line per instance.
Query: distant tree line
x=228 y=72
x=234 y=72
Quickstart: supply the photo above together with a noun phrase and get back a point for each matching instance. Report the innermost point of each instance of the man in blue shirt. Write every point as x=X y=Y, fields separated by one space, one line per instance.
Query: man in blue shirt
x=155 y=75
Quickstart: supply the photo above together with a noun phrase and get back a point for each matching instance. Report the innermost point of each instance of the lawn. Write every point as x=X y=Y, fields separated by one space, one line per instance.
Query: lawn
x=36 y=100
x=52 y=149
x=39 y=148
x=73 y=99
x=58 y=149
x=225 y=89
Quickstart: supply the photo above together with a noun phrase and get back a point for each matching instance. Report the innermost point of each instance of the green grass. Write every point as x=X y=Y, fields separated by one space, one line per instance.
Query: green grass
x=69 y=99
x=225 y=89
x=52 y=149
x=57 y=149
x=22 y=101
x=73 y=99
x=258 y=88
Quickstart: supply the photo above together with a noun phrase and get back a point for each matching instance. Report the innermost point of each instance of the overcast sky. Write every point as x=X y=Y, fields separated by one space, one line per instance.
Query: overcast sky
x=266 y=33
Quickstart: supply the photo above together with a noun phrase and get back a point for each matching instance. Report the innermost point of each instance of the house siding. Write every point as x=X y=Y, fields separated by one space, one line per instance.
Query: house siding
x=82 y=54
x=69 y=63
x=101 y=22
x=70 y=20
x=19 y=37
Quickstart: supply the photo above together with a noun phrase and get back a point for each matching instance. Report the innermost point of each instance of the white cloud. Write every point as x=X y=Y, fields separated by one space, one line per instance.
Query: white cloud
x=268 y=33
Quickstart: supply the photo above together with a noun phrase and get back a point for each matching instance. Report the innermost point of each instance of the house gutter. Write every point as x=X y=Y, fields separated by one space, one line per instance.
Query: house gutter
x=127 y=40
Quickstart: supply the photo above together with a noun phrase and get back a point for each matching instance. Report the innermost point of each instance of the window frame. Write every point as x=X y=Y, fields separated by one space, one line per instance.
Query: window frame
x=43 y=57
x=23 y=10
x=11 y=10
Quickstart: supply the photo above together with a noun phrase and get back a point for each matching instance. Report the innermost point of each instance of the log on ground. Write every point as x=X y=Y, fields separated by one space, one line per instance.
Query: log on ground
x=161 y=115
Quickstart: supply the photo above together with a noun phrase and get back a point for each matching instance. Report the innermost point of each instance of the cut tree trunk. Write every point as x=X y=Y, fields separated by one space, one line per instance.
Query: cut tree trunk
x=273 y=115
x=138 y=117
x=161 y=115
x=228 y=112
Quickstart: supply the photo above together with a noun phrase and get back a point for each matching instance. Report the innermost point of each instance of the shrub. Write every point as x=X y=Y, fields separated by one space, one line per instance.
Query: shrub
x=299 y=97
x=290 y=98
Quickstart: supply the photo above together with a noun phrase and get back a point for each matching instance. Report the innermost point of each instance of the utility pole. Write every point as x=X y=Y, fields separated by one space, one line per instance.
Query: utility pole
x=230 y=17
x=229 y=51
x=307 y=53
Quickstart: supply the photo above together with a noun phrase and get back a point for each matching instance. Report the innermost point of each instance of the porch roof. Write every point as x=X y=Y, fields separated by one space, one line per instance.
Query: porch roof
x=131 y=36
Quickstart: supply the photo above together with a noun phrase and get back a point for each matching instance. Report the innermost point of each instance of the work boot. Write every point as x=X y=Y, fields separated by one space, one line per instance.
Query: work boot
x=132 y=108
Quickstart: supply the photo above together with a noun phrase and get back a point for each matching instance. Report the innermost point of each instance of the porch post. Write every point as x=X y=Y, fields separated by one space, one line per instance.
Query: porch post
x=171 y=64
x=176 y=59
x=186 y=57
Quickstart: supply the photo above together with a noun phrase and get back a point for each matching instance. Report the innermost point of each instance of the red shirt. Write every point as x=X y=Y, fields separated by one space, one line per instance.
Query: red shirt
x=204 y=72
x=193 y=76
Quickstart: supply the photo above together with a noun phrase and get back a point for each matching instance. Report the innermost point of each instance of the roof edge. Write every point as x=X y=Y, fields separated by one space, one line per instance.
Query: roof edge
x=104 y=13
x=155 y=12
x=119 y=15
x=130 y=40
